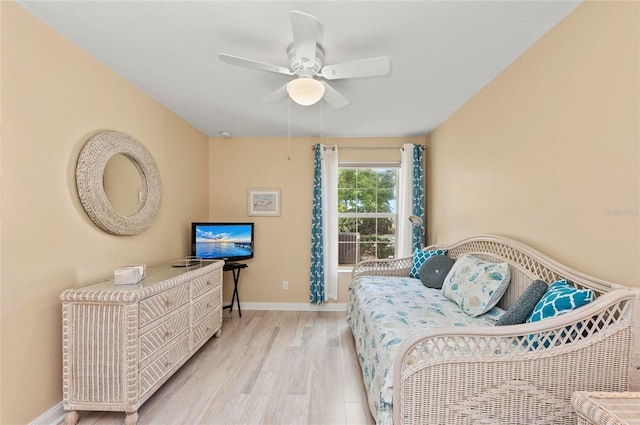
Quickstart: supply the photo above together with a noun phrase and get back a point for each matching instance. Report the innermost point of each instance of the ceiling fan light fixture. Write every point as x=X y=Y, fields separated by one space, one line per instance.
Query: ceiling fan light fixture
x=305 y=91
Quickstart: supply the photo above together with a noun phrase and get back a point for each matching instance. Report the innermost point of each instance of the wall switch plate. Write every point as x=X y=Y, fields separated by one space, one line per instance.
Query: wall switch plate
x=285 y=284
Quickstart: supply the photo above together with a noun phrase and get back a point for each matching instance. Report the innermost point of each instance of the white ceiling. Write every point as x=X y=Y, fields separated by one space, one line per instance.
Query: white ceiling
x=441 y=52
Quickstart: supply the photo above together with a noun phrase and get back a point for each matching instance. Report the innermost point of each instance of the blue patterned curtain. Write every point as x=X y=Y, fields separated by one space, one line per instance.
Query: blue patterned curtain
x=317 y=249
x=418 y=194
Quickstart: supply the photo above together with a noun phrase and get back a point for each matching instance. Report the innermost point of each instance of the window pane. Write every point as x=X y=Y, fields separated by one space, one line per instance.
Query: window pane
x=346 y=200
x=367 y=178
x=367 y=227
x=386 y=227
x=386 y=202
x=387 y=178
x=386 y=238
x=347 y=178
x=386 y=250
x=346 y=225
x=367 y=251
x=367 y=200
x=348 y=247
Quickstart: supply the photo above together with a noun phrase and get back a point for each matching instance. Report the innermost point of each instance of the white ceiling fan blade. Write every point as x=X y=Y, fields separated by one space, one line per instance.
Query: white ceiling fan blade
x=333 y=97
x=361 y=68
x=305 y=33
x=277 y=96
x=249 y=63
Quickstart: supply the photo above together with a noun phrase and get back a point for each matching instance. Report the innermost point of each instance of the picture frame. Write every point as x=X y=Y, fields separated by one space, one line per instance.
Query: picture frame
x=264 y=202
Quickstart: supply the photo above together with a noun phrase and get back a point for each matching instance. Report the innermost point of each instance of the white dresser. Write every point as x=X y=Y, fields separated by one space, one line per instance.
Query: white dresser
x=120 y=343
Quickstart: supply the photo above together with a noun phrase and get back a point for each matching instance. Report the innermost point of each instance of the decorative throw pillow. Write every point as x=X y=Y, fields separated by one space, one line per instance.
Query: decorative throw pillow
x=560 y=298
x=434 y=269
x=419 y=255
x=476 y=285
x=524 y=305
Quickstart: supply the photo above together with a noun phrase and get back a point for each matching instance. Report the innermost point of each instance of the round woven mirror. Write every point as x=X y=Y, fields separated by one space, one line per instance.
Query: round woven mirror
x=92 y=161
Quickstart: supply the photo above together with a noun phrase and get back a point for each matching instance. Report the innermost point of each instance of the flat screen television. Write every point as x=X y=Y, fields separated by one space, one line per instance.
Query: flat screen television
x=222 y=241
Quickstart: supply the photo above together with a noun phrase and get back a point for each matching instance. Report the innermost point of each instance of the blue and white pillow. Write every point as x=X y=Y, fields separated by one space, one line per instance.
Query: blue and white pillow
x=476 y=285
x=419 y=255
x=560 y=298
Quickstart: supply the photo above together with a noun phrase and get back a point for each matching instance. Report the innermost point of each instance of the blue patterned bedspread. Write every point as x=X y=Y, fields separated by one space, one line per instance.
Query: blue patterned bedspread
x=382 y=313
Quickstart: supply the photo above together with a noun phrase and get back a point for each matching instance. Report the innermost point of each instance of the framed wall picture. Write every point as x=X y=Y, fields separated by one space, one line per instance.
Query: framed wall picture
x=264 y=202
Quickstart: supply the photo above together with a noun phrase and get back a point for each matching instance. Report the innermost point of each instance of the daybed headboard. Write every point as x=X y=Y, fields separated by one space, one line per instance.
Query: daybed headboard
x=526 y=265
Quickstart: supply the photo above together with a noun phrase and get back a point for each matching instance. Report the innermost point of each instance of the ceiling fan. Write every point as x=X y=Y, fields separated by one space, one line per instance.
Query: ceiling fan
x=306 y=63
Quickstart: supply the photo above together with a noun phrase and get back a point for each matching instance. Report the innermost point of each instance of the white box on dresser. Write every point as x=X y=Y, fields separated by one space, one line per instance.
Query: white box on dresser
x=120 y=343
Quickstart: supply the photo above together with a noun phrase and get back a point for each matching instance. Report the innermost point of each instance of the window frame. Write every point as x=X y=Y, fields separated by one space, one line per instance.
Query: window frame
x=394 y=216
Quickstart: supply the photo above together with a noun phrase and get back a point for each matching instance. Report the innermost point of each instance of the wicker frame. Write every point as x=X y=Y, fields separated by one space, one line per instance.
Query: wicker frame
x=89 y=181
x=495 y=374
x=599 y=408
x=121 y=343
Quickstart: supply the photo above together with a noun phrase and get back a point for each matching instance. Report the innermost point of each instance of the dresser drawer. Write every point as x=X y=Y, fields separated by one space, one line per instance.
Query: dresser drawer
x=158 y=337
x=207 y=327
x=207 y=303
x=157 y=306
x=204 y=283
x=159 y=368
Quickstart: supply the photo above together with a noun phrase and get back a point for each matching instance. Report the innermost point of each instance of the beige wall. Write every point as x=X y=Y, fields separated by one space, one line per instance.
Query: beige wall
x=283 y=244
x=54 y=97
x=548 y=151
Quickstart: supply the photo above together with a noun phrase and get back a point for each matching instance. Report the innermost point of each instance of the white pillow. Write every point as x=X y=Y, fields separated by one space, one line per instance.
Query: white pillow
x=476 y=285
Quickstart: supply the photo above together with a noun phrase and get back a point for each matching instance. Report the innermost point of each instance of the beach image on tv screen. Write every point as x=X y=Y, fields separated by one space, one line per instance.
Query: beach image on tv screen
x=223 y=241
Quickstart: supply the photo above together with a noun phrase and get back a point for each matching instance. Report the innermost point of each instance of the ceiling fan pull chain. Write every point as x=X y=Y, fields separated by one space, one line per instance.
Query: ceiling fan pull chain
x=321 y=123
x=289 y=134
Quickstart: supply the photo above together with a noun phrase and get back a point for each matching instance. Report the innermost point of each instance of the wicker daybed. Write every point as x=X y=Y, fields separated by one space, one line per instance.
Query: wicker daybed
x=483 y=374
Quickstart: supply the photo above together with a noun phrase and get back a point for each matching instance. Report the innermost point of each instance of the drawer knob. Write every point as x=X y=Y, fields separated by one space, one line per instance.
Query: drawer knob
x=168 y=302
x=169 y=332
x=209 y=282
x=209 y=305
x=168 y=363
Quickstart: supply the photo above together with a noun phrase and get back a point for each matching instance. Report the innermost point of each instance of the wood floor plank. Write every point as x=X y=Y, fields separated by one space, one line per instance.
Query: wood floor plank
x=326 y=388
x=268 y=367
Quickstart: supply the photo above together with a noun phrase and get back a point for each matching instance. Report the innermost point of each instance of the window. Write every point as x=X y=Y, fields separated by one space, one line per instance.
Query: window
x=366 y=212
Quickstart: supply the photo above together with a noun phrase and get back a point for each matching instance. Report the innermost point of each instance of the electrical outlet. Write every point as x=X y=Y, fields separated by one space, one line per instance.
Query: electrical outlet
x=285 y=284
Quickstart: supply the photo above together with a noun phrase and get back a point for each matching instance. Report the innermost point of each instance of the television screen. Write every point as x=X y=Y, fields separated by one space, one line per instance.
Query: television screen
x=222 y=241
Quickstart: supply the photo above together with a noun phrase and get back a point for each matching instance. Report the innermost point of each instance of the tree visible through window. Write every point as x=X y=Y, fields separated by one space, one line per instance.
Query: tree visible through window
x=366 y=213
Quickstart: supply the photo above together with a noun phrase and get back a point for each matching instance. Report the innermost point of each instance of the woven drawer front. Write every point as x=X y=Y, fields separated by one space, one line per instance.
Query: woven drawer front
x=208 y=327
x=202 y=284
x=206 y=304
x=157 y=306
x=158 y=337
x=157 y=370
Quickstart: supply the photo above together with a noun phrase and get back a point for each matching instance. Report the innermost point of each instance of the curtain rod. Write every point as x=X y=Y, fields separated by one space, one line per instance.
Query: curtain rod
x=354 y=148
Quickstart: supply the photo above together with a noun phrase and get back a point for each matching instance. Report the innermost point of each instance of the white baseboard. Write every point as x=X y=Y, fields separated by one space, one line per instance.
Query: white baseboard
x=53 y=416
x=292 y=306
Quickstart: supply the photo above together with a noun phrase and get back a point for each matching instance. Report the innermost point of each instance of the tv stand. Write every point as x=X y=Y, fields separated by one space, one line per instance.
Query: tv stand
x=235 y=269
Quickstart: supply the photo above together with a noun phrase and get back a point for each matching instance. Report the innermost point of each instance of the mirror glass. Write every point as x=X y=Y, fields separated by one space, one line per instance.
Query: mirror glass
x=123 y=185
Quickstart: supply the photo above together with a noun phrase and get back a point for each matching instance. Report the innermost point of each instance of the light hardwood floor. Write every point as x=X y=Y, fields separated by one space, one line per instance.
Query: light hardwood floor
x=268 y=367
